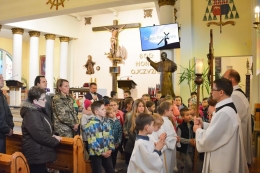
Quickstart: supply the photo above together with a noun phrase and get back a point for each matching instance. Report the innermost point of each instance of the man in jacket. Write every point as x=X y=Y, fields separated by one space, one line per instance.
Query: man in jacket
x=41 y=82
x=93 y=95
x=6 y=118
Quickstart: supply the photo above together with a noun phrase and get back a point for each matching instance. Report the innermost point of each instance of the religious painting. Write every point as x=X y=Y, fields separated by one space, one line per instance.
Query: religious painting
x=42 y=65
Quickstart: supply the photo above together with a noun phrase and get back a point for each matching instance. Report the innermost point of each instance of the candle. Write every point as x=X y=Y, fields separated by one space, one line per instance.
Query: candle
x=199 y=66
x=257 y=13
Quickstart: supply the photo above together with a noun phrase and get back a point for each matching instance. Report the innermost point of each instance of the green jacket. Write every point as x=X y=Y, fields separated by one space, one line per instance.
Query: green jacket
x=65 y=116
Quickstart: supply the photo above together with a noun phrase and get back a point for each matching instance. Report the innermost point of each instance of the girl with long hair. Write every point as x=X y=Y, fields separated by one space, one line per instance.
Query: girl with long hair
x=129 y=127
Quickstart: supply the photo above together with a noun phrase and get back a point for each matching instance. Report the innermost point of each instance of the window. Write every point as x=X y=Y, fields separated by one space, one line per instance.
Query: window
x=5 y=64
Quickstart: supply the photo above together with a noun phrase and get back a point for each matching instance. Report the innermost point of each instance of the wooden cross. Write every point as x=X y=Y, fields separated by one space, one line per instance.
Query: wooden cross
x=115 y=29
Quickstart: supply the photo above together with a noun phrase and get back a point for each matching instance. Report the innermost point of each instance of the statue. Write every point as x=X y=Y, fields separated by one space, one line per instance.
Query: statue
x=113 y=39
x=166 y=67
x=90 y=65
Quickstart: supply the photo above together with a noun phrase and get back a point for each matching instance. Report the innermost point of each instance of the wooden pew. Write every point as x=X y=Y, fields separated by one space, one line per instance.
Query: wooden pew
x=70 y=154
x=257 y=111
x=255 y=166
x=15 y=163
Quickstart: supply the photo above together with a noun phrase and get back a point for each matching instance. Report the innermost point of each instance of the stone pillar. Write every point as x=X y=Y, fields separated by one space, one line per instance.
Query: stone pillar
x=50 y=38
x=64 y=44
x=17 y=61
x=166 y=16
x=34 y=59
x=71 y=63
x=12 y=96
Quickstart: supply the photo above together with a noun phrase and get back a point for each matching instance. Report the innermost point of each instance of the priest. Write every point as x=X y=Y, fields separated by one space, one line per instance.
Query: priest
x=222 y=139
x=243 y=110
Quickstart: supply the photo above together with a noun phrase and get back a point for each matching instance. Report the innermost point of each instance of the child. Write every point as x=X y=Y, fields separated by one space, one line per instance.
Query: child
x=185 y=131
x=120 y=116
x=117 y=133
x=129 y=127
x=100 y=139
x=158 y=122
x=146 y=154
x=86 y=115
x=146 y=97
x=157 y=98
x=150 y=106
x=169 y=153
x=205 y=107
x=128 y=103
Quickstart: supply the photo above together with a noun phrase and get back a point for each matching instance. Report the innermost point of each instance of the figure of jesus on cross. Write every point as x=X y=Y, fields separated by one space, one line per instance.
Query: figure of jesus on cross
x=114 y=38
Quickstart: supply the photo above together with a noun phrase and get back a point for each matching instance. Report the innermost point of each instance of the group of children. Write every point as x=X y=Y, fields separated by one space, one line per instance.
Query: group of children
x=149 y=135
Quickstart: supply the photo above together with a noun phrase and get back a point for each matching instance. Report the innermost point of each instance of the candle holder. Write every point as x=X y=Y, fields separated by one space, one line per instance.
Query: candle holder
x=198 y=81
x=256 y=23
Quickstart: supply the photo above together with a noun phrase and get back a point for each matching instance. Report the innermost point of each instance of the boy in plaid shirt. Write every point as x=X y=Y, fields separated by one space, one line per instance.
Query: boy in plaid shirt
x=100 y=139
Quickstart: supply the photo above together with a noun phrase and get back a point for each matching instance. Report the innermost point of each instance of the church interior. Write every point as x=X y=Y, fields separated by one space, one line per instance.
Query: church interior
x=57 y=39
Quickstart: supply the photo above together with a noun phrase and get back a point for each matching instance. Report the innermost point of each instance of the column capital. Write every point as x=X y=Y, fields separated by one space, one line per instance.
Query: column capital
x=166 y=2
x=50 y=36
x=64 y=39
x=17 y=31
x=34 y=33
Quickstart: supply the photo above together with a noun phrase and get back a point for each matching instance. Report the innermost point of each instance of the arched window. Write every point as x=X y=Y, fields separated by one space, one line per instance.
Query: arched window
x=5 y=64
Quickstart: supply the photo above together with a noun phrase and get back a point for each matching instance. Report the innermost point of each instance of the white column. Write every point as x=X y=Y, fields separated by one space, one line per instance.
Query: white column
x=34 y=59
x=71 y=63
x=12 y=96
x=64 y=44
x=186 y=52
x=49 y=60
x=17 y=61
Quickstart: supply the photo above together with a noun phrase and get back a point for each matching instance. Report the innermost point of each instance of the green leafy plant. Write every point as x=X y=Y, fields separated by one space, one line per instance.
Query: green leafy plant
x=188 y=75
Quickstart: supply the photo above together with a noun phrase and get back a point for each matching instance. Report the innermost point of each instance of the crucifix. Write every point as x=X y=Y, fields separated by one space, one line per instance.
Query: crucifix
x=116 y=52
x=210 y=57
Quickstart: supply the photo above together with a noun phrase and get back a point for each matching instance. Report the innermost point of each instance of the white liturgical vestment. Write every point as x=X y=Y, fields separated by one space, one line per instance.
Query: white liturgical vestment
x=222 y=141
x=168 y=156
x=243 y=110
x=144 y=159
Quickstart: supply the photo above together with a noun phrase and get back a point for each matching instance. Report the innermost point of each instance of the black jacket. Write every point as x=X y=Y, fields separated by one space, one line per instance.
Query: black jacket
x=37 y=142
x=185 y=133
x=6 y=117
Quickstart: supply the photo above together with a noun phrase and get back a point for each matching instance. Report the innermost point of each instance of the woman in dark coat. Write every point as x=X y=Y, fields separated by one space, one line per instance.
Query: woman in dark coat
x=38 y=141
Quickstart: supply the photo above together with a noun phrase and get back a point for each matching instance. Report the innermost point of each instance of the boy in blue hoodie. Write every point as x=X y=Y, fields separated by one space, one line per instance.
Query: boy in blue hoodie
x=100 y=139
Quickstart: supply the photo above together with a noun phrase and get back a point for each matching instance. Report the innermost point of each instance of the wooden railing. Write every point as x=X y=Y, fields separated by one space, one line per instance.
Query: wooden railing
x=70 y=154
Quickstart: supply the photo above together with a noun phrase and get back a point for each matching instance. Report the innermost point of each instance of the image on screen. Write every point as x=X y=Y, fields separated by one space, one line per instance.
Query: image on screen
x=160 y=37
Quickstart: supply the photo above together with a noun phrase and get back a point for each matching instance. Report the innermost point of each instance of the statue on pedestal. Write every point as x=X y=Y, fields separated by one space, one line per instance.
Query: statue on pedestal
x=90 y=65
x=166 y=67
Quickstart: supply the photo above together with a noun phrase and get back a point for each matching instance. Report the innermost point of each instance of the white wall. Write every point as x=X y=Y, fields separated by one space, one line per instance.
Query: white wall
x=238 y=64
x=97 y=43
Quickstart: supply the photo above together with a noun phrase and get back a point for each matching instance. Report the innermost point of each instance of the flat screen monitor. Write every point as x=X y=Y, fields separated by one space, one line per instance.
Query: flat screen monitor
x=160 y=37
